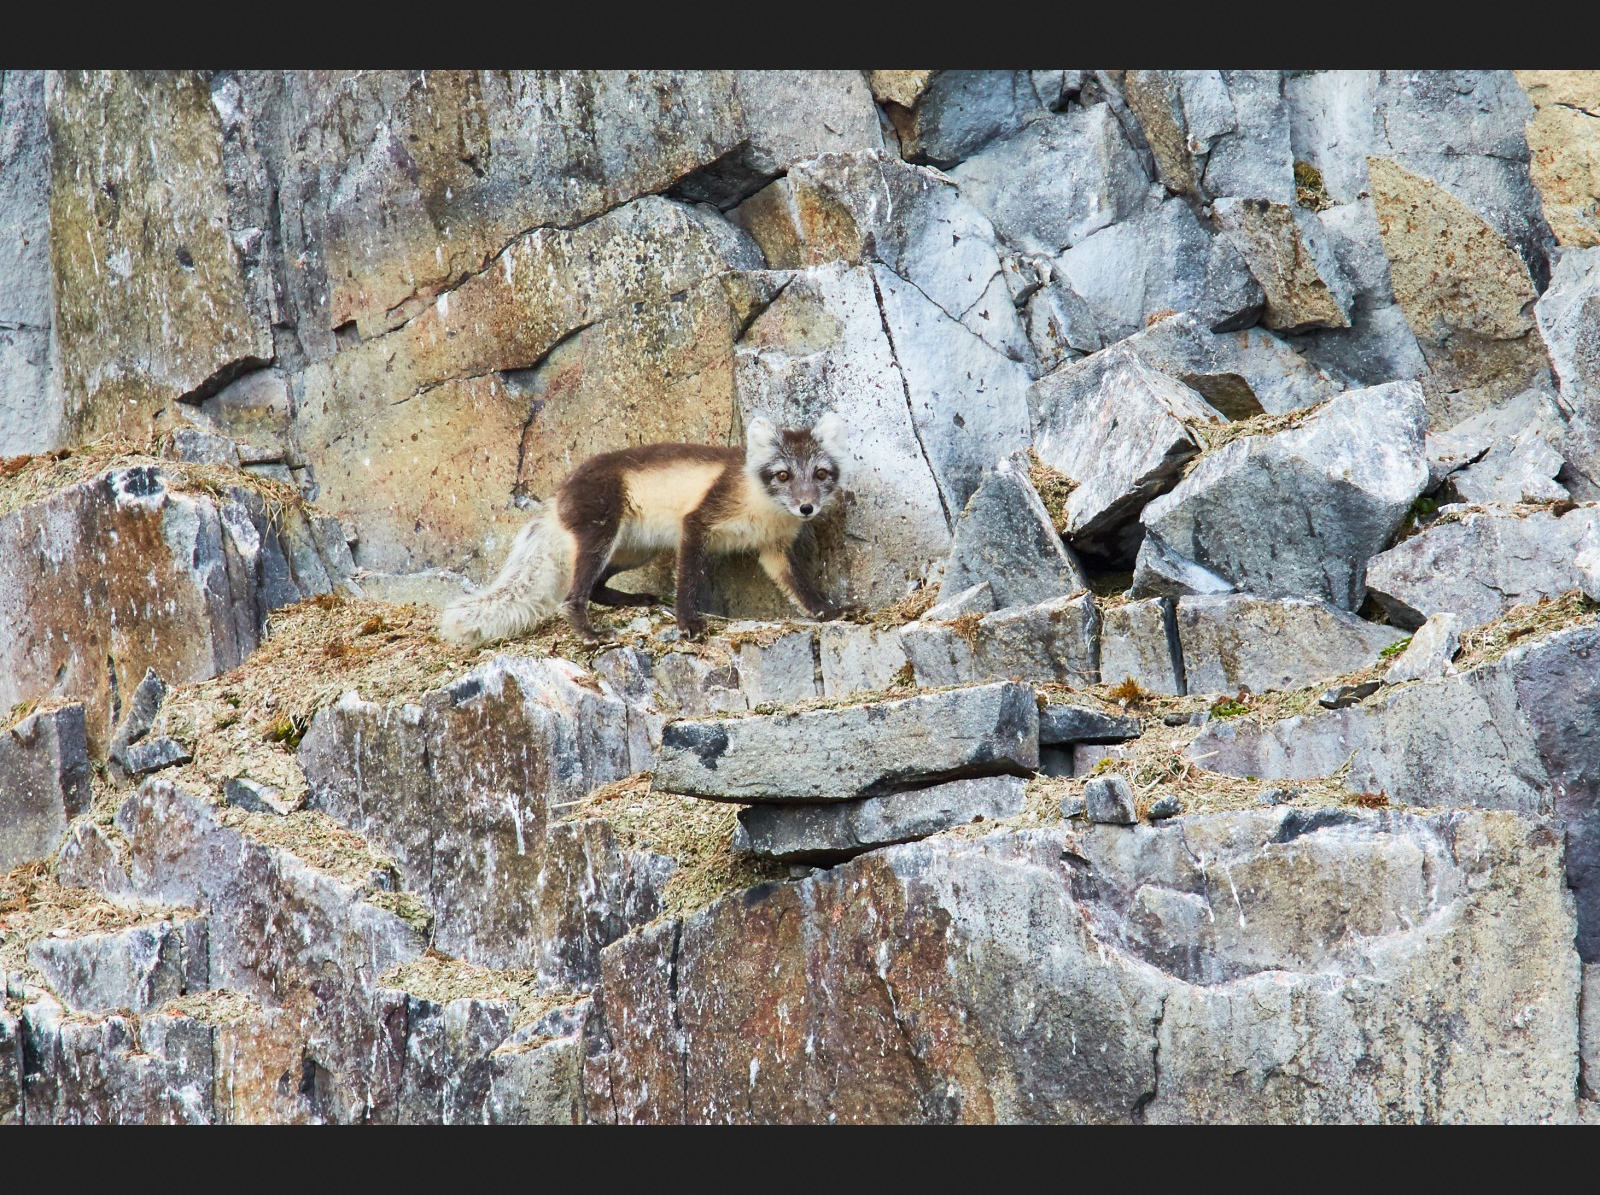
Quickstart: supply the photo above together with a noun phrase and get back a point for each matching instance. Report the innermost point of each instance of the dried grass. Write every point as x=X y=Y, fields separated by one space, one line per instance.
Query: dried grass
x=1213 y=437
x=441 y=979
x=694 y=832
x=1522 y=625
x=1054 y=487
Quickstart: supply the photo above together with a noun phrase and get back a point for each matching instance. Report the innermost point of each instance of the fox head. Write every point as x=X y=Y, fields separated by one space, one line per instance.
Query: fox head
x=799 y=468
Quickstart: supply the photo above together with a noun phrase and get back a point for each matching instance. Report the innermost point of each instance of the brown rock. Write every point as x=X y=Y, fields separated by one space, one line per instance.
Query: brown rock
x=1564 y=139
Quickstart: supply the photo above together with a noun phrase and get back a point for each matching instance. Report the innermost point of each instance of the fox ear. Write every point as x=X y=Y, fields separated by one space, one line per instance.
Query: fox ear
x=761 y=438
x=829 y=432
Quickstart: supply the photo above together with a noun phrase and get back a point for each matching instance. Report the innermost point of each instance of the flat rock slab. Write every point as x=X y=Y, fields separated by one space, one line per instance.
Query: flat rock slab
x=857 y=751
x=1053 y=641
x=1264 y=644
x=1480 y=563
x=1139 y=642
x=842 y=829
x=1060 y=724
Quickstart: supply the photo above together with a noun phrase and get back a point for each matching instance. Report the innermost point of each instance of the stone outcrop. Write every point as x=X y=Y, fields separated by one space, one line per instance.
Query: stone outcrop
x=44 y=782
x=1052 y=641
x=1005 y=540
x=1241 y=641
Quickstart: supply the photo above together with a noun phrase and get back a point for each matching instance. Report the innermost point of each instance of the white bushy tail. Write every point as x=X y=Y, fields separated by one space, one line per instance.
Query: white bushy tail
x=528 y=589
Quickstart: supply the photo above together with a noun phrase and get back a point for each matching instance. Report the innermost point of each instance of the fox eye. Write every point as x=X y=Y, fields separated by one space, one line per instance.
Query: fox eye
x=822 y=475
x=782 y=475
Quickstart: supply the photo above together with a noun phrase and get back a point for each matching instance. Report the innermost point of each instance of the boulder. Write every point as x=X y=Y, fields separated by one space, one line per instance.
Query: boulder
x=1260 y=644
x=1005 y=539
x=1477 y=564
x=44 y=783
x=1568 y=314
x=1161 y=260
x=1139 y=642
x=1053 y=641
x=143 y=705
x=1057 y=181
x=1121 y=432
x=133 y=969
x=966 y=977
x=1109 y=800
x=1286 y=250
x=153 y=754
x=464 y=788
x=1216 y=133
x=840 y=830
x=853 y=751
x=1298 y=513
x=957 y=113
x=1063 y=724
x=30 y=414
x=1429 y=651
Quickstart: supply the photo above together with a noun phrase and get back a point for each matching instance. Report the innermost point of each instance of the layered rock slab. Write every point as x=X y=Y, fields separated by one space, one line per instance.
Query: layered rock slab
x=44 y=782
x=1053 y=641
x=854 y=751
x=1115 y=975
x=1258 y=644
x=1298 y=513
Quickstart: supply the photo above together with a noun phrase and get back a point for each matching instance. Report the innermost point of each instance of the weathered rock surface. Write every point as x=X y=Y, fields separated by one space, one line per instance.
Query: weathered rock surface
x=463 y=789
x=1060 y=724
x=30 y=417
x=1428 y=654
x=1153 y=943
x=1052 y=641
x=1480 y=563
x=956 y=113
x=854 y=751
x=1139 y=642
x=1287 y=251
x=1565 y=149
x=1296 y=514
x=842 y=829
x=1121 y=432
x=1005 y=539
x=1215 y=133
x=44 y=782
x=109 y=578
x=856 y=659
x=133 y=969
x=1109 y=800
x=1568 y=314
x=1239 y=641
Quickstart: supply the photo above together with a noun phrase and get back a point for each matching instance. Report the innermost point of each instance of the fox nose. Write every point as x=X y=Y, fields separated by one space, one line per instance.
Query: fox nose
x=806 y=509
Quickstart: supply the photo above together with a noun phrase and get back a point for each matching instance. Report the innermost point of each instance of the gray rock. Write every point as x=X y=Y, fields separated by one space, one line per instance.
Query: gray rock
x=962 y=111
x=464 y=787
x=858 y=659
x=1480 y=563
x=89 y=859
x=854 y=751
x=1257 y=512
x=1344 y=696
x=1139 y=642
x=1589 y=1031
x=1057 y=181
x=781 y=672
x=1167 y=573
x=1073 y=805
x=44 y=783
x=688 y=686
x=1109 y=800
x=1052 y=641
x=1520 y=469
x=1061 y=327
x=1216 y=133
x=1005 y=538
x=1060 y=724
x=1277 y=796
x=1159 y=261
x=254 y=797
x=133 y=969
x=152 y=755
x=1262 y=644
x=1168 y=806
x=10 y=1070
x=1219 y=950
x=30 y=414
x=843 y=829
x=1568 y=314
x=140 y=715
x=203 y=447
x=1121 y=432
x=1587 y=564
x=974 y=599
x=1293 y=260
x=1433 y=645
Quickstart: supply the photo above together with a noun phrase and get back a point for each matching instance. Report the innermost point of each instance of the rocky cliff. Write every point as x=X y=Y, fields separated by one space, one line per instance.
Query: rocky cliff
x=1216 y=735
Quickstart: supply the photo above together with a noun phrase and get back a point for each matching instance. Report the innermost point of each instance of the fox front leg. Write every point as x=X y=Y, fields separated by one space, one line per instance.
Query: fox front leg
x=785 y=570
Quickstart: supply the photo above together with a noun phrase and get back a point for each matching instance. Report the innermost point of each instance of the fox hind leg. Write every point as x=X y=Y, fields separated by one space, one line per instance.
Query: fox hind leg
x=606 y=596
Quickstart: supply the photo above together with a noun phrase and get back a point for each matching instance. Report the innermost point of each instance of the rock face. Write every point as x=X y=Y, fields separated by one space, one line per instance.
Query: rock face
x=462 y=790
x=1565 y=152
x=114 y=576
x=135 y=969
x=44 y=783
x=1287 y=536
x=1151 y=943
x=856 y=751
x=1481 y=563
x=1053 y=641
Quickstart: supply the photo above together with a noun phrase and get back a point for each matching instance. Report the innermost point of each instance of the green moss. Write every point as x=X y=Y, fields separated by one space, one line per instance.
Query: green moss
x=1229 y=708
x=1395 y=649
x=1309 y=189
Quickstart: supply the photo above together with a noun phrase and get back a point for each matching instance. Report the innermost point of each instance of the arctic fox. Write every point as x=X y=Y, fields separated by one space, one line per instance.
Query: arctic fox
x=619 y=509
